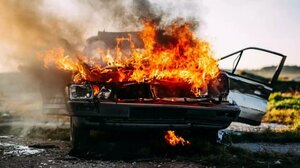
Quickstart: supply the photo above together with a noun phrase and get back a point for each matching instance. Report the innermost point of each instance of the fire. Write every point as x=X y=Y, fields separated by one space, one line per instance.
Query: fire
x=174 y=140
x=96 y=90
x=171 y=53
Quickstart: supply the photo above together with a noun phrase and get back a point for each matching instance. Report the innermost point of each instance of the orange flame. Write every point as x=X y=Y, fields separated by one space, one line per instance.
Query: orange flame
x=171 y=53
x=174 y=140
x=96 y=90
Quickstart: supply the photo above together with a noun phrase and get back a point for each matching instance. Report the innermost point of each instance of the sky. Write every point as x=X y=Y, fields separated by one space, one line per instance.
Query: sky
x=231 y=25
x=228 y=25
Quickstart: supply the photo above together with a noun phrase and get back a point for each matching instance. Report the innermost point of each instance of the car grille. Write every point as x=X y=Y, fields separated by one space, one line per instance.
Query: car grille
x=157 y=113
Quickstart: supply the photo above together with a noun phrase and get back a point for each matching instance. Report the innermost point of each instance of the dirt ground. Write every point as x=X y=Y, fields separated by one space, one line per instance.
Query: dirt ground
x=51 y=153
x=47 y=145
x=39 y=152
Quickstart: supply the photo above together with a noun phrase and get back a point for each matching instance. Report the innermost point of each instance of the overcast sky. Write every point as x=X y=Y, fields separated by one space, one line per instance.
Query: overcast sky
x=228 y=25
x=270 y=24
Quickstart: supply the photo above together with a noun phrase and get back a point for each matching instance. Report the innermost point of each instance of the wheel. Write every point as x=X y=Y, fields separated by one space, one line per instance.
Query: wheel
x=79 y=136
x=210 y=135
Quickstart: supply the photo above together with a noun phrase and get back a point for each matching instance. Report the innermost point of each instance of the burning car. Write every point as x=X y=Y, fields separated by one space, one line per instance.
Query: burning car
x=169 y=82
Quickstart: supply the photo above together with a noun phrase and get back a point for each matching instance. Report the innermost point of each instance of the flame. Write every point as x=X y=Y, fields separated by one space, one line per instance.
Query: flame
x=96 y=90
x=174 y=140
x=171 y=53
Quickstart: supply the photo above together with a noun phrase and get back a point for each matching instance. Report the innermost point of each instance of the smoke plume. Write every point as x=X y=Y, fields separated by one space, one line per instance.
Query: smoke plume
x=30 y=27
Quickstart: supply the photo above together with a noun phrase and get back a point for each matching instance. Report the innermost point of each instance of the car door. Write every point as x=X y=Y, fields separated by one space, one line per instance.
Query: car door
x=252 y=74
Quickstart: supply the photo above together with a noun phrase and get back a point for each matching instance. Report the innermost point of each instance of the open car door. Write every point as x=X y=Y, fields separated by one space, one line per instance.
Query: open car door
x=252 y=73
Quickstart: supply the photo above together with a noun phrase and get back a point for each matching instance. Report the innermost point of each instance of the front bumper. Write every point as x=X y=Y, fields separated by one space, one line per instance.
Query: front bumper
x=112 y=115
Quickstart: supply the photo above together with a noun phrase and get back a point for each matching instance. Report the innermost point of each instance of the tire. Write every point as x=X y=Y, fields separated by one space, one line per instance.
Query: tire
x=79 y=136
x=210 y=135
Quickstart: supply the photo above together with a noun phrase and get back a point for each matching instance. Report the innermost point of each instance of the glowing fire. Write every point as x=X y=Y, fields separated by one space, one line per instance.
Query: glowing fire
x=171 y=53
x=174 y=140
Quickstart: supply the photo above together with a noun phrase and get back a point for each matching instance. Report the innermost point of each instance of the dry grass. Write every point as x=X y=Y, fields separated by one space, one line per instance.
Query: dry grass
x=288 y=116
x=284 y=108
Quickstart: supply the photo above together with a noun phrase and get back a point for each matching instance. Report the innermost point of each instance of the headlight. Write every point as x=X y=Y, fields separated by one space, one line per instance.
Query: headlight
x=81 y=92
x=219 y=87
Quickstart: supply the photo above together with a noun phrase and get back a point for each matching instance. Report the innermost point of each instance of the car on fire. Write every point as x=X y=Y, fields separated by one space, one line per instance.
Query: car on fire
x=234 y=95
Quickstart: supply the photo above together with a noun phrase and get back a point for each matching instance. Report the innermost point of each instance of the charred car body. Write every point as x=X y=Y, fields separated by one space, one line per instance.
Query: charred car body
x=163 y=105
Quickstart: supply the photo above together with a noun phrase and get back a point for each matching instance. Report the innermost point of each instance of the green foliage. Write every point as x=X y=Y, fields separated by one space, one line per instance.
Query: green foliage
x=288 y=103
x=284 y=108
x=279 y=100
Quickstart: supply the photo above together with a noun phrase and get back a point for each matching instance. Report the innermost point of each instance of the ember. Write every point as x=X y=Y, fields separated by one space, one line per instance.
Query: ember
x=174 y=140
x=171 y=53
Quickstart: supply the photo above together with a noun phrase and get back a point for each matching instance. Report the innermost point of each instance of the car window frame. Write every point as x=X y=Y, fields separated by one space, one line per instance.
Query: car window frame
x=240 y=54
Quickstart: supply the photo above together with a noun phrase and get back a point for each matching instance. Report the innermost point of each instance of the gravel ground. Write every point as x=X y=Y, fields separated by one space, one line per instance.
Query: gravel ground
x=240 y=127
